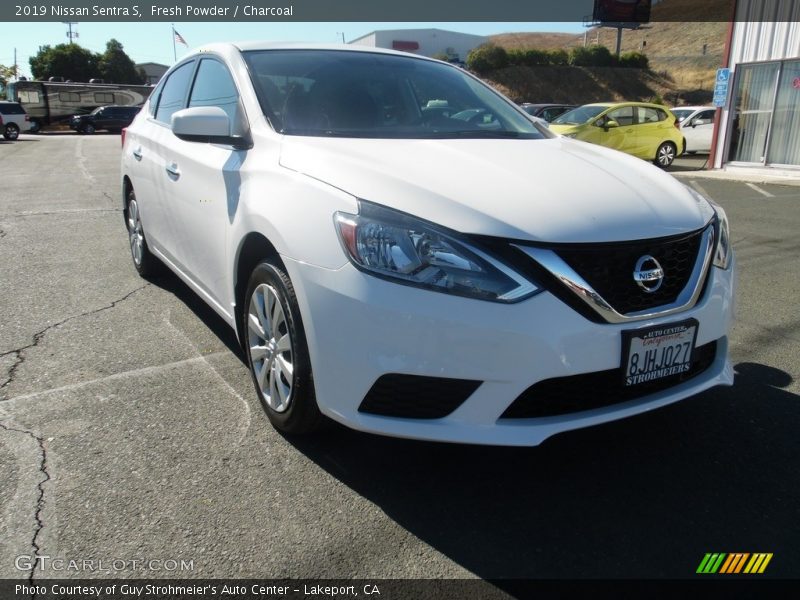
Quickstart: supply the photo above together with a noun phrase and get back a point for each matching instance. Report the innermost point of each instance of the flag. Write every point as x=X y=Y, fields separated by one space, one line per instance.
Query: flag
x=179 y=38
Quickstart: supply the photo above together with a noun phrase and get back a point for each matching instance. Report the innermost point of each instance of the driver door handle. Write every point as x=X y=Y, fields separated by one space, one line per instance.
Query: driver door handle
x=137 y=154
x=173 y=170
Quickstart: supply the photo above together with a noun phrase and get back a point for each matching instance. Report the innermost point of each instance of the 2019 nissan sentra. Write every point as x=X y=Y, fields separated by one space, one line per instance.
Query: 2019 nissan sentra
x=412 y=274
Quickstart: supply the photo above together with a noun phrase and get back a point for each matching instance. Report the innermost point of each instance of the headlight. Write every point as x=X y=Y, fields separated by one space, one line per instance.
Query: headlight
x=722 y=254
x=722 y=251
x=397 y=246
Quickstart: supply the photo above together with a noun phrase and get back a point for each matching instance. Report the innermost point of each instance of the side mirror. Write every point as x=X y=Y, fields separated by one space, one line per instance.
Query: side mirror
x=610 y=124
x=207 y=124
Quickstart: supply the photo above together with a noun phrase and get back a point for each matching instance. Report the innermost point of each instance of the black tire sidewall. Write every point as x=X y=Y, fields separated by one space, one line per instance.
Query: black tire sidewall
x=303 y=414
x=149 y=263
x=11 y=132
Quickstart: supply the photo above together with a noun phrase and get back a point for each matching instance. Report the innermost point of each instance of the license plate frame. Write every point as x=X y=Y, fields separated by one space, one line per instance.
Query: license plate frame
x=658 y=358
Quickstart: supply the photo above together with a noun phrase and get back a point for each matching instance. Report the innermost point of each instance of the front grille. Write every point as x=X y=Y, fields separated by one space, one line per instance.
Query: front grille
x=416 y=397
x=576 y=393
x=608 y=268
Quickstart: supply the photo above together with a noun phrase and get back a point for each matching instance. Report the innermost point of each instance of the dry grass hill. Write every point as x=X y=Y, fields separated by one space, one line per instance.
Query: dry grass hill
x=683 y=56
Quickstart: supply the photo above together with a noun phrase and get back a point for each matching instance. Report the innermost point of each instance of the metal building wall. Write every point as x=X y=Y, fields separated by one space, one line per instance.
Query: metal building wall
x=764 y=30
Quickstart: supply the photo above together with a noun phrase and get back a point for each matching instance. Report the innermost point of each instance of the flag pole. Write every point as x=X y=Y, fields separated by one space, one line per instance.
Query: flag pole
x=174 y=51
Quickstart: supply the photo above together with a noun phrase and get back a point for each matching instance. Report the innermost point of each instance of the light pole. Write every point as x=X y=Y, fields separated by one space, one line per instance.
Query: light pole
x=71 y=34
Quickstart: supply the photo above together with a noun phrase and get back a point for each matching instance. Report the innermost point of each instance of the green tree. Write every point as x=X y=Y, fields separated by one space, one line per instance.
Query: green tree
x=116 y=66
x=6 y=74
x=69 y=61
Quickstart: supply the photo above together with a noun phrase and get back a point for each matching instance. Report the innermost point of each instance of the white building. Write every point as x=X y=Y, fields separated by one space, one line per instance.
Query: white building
x=152 y=71
x=759 y=127
x=427 y=42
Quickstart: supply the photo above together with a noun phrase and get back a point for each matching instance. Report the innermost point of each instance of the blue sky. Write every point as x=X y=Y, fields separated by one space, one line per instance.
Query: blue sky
x=152 y=42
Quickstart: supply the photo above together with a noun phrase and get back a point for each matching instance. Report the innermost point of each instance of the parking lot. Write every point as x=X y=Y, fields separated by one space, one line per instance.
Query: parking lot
x=130 y=429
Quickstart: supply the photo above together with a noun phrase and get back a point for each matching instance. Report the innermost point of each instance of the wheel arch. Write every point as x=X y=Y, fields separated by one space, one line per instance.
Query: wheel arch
x=253 y=249
x=127 y=186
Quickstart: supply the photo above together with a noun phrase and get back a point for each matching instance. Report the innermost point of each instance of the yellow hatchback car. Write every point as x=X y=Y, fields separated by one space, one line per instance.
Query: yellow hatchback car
x=648 y=131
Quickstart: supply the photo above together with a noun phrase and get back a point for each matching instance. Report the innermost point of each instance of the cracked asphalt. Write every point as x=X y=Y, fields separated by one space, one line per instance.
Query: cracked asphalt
x=129 y=428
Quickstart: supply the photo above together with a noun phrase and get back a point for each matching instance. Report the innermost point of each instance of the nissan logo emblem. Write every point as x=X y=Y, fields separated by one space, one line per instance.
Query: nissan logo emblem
x=648 y=274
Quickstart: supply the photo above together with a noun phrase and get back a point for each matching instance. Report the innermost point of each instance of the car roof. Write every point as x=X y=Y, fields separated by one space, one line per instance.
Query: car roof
x=245 y=46
x=691 y=107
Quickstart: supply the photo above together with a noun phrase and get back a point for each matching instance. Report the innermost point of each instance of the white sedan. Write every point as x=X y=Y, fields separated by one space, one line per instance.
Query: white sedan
x=697 y=126
x=409 y=273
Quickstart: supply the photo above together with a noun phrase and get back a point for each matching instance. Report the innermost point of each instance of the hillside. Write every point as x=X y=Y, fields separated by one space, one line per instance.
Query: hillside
x=686 y=55
x=582 y=85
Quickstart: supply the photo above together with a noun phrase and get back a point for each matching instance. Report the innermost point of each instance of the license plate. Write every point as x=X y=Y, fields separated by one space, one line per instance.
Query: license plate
x=657 y=352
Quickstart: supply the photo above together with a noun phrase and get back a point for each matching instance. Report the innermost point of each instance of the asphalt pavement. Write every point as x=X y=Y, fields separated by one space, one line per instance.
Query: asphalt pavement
x=129 y=428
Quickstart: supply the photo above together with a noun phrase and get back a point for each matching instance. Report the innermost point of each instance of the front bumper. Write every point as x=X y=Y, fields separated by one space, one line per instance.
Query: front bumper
x=360 y=328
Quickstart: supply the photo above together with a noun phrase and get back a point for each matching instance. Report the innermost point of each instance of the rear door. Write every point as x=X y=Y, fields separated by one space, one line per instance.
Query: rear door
x=650 y=123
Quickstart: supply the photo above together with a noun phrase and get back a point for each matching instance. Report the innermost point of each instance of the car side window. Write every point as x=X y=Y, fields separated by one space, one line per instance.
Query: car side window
x=704 y=118
x=213 y=86
x=623 y=115
x=173 y=95
x=645 y=114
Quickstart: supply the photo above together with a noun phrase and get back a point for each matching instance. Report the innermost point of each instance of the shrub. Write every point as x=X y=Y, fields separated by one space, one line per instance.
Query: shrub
x=558 y=57
x=487 y=58
x=591 y=56
x=636 y=60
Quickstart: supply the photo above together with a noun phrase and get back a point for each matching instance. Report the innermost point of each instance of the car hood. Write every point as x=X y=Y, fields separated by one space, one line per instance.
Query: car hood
x=556 y=190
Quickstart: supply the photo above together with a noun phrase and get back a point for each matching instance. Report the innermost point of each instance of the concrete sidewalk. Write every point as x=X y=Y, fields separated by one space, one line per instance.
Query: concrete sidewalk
x=743 y=174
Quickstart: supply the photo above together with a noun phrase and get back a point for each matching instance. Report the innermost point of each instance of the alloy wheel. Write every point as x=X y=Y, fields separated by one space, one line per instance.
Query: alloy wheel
x=271 y=348
x=135 y=232
x=666 y=154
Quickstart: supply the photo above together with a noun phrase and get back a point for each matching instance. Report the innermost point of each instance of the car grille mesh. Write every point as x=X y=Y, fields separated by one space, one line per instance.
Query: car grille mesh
x=608 y=268
x=576 y=393
x=415 y=396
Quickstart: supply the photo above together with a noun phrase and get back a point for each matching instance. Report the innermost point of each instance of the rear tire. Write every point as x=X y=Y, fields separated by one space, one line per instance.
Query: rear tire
x=11 y=132
x=665 y=155
x=277 y=352
x=145 y=263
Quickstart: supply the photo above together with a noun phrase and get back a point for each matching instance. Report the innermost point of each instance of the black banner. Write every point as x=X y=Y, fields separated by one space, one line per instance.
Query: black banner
x=705 y=587
x=343 y=10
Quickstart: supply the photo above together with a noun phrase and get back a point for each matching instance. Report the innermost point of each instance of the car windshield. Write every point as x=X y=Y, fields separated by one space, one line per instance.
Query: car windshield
x=578 y=116
x=97 y=110
x=340 y=93
x=682 y=113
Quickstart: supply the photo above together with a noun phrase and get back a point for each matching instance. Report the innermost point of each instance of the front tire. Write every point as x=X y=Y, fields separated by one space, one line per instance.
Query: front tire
x=145 y=263
x=11 y=132
x=277 y=352
x=88 y=129
x=665 y=155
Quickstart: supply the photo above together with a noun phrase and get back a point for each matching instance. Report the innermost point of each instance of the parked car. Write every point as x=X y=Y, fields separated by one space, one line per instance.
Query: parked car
x=548 y=112
x=412 y=274
x=648 y=131
x=697 y=126
x=111 y=118
x=13 y=120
